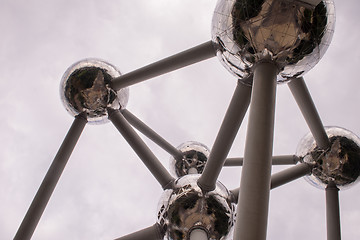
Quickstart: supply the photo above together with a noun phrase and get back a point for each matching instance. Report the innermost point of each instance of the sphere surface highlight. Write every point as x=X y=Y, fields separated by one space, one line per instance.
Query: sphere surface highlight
x=291 y=33
x=339 y=164
x=186 y=208
x=85 y=87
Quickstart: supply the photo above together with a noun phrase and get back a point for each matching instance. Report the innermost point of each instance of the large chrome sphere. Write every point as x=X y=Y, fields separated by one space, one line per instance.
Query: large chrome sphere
x=293 y=34
x=194 y=157
x=186 y=208
x=340 y=163
x=85 y=87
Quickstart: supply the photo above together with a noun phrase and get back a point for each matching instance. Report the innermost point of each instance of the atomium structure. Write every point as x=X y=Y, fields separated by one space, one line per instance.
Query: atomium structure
x=262 y=43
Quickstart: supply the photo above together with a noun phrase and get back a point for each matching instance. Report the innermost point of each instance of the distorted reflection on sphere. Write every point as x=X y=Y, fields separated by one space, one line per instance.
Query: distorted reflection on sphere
x=292 y=34
x=340 y=163
x=86 y=87
x=186 y=207
x=194 y=157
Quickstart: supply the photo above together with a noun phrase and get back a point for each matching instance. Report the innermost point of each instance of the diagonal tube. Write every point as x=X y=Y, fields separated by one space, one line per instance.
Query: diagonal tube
x=144 y=153
x=276 y=160
x=252 y=209
x=332 y=212
x=193 y=55
x=303 y=99
x=290 y=174
x=281 y=178
x=225 y=138
x=51 y=178
x=150 y=233
x=151 y=134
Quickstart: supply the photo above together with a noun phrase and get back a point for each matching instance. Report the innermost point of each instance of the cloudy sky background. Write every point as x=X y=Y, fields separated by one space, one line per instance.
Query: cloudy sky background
x=105 y=191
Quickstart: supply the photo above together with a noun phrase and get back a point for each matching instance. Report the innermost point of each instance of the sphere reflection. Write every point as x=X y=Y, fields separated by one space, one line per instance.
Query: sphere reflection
x=85 y=87
x=186 y=208
x=292 y=34
x=194 y=157
x=340 y=163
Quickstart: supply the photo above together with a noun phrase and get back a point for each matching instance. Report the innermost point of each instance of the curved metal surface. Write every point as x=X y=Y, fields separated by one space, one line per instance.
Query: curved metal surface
x=293 y=34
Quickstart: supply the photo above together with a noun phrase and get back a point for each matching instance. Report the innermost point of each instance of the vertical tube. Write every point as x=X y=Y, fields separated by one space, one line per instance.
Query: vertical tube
x=147 y=131
x=144 y=153
x=51 y=178
x=252 y=209
x=150 y=233
x=182 y=59
x=303 y=99
x=225 y=138
x=332 y=212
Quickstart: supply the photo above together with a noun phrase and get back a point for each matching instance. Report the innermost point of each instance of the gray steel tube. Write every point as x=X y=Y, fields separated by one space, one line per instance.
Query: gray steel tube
x=276 y=160
x=303 y=99
x=151 y=134
x=225 y=138
x=144 y=153
x=281 y=178
x=332 y=212
x=51 y=178
x=252 y=209
x=193 y=55
x=290 y=174
x=150 y=233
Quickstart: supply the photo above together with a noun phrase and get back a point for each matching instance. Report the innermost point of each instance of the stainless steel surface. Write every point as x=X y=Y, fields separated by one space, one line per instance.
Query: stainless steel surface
x=142 y=150
x=303 y=98
x=280 y=178
x=252 y=209
x=340 y=163
x=147 y=131
x=276 y=160
x=194 y=156
x=51 y=178
x=226 y=135
x=85 y=87
x=295 y=35
x=187 y=207
x=333 y=226
x=311 y=2
x=193 y=55
x=290 y=174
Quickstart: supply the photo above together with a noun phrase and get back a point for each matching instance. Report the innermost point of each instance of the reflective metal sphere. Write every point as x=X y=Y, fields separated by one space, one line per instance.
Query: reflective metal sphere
x=195 y=155
x=291 y=33
x=85 y=87
x=339 y=164
x=186 y=207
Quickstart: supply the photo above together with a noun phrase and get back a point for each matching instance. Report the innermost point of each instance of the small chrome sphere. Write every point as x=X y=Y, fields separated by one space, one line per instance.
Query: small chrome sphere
x=85 y=87
x=292 y=34
x=339 y=164
x=194 y=157
x=186 y=208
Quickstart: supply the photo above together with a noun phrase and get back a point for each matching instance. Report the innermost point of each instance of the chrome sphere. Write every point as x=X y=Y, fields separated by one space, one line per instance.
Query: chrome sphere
x=85 y=87
x=291 y=33
x=185 y=208
x=194 y=157
x=340 y=163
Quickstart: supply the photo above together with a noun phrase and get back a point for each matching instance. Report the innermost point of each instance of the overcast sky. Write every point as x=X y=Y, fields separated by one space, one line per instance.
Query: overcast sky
x=105 y=191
